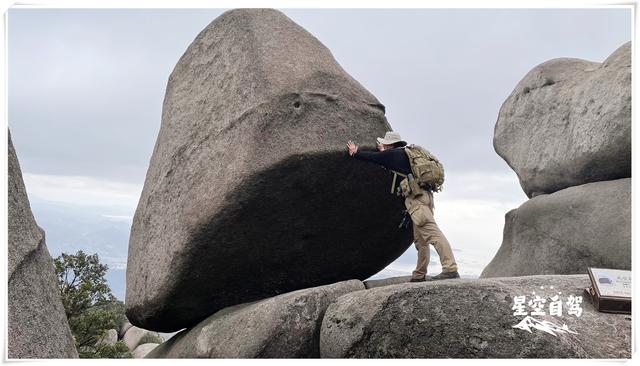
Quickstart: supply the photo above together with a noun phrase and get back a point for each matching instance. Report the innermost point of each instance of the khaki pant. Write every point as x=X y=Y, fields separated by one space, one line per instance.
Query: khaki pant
x=425 y=231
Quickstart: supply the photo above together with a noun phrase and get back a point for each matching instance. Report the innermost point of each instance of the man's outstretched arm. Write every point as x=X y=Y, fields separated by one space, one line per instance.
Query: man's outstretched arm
x=372 y=156
x=394 y=159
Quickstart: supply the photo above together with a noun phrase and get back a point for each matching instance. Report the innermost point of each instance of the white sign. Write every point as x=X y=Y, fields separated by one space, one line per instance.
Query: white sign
x=612 y=282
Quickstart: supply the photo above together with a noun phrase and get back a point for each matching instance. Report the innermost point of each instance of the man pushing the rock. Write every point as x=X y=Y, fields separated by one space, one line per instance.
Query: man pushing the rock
x=423 y=174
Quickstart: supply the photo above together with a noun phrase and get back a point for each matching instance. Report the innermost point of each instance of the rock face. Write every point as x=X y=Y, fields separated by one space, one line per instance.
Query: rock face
x=284 y=326
x=566 y=131
x=124 y=328
x=568 y=122
x=142 y=350
x=250 y=192
x=386 y=281
x=469 y=319
x=38 y=326
x=134 y=335
x=567 y=231
x=109 y=338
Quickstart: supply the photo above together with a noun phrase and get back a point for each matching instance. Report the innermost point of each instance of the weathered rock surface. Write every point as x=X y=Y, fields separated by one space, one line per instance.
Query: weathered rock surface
x=568 y=122
x=284 y=326
x=109 y=338
x=142 y=350
x=567 y=231
x=38 y=326
x=468 y=319
x=123 y=328
x=386 y=281
x=250 y=192
x=134 y=335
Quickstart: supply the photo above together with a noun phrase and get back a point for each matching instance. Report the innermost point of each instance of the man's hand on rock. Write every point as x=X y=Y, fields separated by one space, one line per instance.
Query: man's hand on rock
x=353 y=148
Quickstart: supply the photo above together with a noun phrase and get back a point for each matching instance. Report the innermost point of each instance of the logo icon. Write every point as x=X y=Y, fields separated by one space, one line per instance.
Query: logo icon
x=546 y=326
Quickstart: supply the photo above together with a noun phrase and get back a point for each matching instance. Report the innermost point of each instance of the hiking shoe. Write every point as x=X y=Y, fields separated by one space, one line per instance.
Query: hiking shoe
x=423 y=279
x=446 y=275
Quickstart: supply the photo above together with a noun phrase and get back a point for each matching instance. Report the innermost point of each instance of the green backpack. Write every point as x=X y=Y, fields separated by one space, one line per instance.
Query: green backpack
x=426 y=169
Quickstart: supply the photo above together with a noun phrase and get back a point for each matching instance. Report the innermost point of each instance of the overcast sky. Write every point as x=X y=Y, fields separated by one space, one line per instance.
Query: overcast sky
x=86 y=90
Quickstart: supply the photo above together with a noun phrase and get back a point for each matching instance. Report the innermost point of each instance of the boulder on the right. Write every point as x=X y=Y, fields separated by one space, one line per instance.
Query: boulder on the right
x=567 y=231
x=568 y=122
x=566 y=132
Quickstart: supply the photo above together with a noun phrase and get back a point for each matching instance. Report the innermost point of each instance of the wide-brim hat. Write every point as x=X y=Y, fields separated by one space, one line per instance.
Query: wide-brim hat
x=391 y=138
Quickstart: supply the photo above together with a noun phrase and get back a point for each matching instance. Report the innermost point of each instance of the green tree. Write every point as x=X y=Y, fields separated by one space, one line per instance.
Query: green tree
x=81 y=282
x=90 y=325
x=89 y=304
x=118 y=350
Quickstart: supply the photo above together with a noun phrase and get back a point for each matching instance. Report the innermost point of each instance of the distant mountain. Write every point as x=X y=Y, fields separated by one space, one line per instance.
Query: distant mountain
x=101 y=230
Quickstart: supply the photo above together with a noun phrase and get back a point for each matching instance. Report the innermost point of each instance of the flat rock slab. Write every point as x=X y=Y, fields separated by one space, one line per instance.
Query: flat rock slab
x=470 y=319
x=37 y=324
x=386 y=281
x=567 y=231
x=284 y=326
x=568 y=122
x=250 y=192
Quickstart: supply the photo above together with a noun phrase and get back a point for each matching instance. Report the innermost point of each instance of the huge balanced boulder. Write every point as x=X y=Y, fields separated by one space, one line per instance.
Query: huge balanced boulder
x=474 y=319
x=38 y=326
x=284 y=326
x=250 y=192
x=568 y=122
x=567 y=231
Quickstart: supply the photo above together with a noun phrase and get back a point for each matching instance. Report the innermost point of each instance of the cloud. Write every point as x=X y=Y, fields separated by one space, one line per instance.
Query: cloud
x=98 y=76
x=115 y=262
x=83 y=191
x=119 y=218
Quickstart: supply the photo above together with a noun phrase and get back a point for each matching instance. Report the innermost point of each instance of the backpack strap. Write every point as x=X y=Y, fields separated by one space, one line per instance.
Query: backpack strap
x=395 y=176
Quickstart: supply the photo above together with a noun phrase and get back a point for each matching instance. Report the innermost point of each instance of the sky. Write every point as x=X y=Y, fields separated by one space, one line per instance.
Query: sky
x=85 y=92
